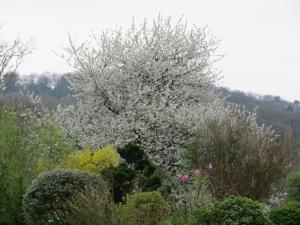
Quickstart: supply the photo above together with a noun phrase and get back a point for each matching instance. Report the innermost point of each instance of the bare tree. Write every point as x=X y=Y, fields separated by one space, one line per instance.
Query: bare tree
x=12 y=54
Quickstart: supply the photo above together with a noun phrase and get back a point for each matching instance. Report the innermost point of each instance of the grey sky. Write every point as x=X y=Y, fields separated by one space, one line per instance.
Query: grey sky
x=260 y=38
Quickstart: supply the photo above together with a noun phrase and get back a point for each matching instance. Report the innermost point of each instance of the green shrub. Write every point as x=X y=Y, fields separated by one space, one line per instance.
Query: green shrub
x=132 y=153
x=180 y=221
x=149 y=179
x=288 y=214
x=233 y=211
x=93 y=206
x=17 y=154
x=52 y=143
x=28 y=134
x=121 y=179
x=147 y=208
x=294 y=186
x=46 y=198
x=137 y=171
x=204 y=215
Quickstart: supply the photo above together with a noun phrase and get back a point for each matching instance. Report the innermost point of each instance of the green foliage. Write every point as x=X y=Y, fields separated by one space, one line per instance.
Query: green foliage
x=132 y=153
x=136 y=173
x=16 y=156
x=27 y=134
x=135 y=156
x=179 y=221
x=47 y=196
x=10 y=169
x=150 y=179
x=294 y=186
x=287 y=214
x=233 y=211
x=203 y=215
x=92 y=206
x=121 y=179
x=53 y=144
x=147 y=208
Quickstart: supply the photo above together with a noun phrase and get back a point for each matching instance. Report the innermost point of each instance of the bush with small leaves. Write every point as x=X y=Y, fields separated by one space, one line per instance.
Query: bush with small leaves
x=45 y=200
x=147 y=208
x=203 y=215
x=233 y=211
x=287 y=214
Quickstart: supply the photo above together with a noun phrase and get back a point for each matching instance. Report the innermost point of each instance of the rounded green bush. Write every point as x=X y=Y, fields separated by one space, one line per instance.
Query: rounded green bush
x=287 y=214
x=233 y=211
x=45 y=200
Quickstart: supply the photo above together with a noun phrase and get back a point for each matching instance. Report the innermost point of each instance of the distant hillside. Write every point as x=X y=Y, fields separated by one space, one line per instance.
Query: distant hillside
x=272 y=111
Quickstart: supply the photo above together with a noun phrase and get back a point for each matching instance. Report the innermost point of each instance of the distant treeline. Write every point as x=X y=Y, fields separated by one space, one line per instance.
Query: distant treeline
x=54 y=89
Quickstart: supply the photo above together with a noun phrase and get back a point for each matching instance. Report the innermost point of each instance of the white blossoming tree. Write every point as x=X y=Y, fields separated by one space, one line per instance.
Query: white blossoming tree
x=152 y=84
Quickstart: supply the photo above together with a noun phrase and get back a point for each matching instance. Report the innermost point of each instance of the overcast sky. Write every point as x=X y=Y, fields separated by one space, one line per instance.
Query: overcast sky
x=260 y=39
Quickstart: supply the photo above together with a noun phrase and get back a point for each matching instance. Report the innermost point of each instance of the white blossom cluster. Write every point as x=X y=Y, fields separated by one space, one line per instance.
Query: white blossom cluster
x=152 y=84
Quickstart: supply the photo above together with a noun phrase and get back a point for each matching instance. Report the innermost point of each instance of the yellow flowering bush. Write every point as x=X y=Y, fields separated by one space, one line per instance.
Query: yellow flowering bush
x=93 y=161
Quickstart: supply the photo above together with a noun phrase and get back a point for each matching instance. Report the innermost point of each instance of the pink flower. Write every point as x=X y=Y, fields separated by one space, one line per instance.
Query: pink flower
x=184 y=178
x=197 y=172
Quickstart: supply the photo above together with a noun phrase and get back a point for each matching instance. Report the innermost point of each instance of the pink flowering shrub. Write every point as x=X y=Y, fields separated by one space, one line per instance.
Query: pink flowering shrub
x=184 y=178
x=195 y=188
x=197 y=172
